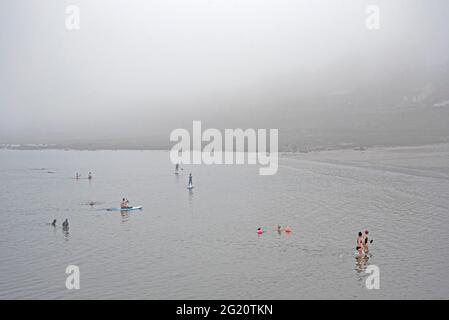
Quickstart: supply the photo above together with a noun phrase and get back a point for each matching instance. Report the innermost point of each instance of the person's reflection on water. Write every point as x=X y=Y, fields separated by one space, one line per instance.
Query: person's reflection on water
x=66 y=234
x=125 y=216
x=361 y=262
x=191 y=202
x=190 y=197
x=65 y=229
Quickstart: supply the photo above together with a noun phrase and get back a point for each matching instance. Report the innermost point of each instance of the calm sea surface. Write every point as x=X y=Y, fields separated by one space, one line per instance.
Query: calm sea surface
x=203 y=244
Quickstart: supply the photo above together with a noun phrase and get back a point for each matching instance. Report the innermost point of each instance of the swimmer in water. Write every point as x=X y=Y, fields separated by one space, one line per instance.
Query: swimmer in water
x=279 y=229
x=65 y=224
x=89 y=176
x=77 y=176
x=359 y=246
x=259 y=230
x=53 y=223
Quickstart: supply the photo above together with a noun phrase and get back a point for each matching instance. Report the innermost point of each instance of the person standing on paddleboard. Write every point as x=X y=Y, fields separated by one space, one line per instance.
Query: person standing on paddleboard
x=190 y=180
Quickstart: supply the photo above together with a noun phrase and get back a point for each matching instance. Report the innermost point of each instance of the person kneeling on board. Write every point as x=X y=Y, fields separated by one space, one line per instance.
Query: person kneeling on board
x=125 y=204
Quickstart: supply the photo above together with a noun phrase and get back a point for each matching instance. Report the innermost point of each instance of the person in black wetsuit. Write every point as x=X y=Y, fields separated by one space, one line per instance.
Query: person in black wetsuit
x=65 y=224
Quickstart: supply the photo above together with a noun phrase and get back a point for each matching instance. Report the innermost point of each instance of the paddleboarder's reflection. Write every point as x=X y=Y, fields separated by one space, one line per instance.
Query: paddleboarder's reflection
x=125 y=216
x=65 y=229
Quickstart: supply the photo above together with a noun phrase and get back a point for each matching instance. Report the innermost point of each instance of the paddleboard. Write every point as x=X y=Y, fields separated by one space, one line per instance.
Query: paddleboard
x=190 y=186
x=125 y=209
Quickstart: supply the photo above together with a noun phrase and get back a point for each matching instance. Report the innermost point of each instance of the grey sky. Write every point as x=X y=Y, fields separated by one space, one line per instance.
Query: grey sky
x=149 y=62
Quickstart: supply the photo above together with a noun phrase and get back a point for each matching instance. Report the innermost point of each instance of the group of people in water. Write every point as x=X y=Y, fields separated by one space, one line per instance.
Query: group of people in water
x=89 y=176
x=279 y=229
x=362 y=246
x=65 y=224
x=362 y=238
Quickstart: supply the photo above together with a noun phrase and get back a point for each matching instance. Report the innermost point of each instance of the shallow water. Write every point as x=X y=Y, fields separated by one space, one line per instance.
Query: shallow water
x=203 y=244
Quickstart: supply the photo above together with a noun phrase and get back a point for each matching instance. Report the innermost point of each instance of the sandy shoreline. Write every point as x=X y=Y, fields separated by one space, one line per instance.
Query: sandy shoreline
x=428 y=160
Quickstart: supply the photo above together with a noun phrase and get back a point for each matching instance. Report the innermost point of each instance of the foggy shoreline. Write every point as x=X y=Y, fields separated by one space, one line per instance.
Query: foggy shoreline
x=285 y=149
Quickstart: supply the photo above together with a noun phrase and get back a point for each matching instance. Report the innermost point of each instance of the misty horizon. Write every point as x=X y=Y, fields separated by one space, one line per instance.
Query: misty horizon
x=132 y=74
